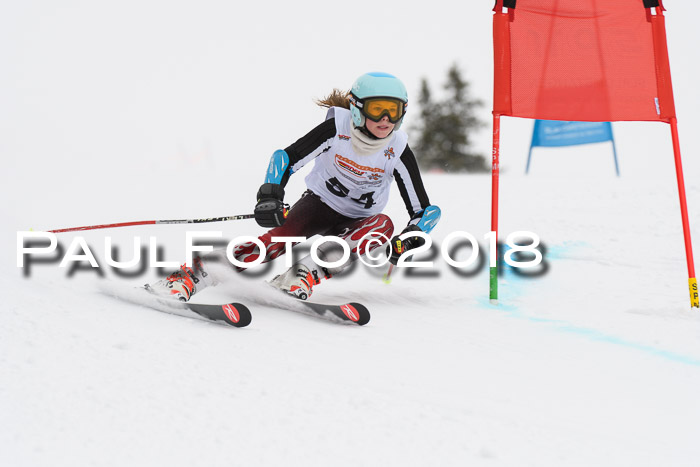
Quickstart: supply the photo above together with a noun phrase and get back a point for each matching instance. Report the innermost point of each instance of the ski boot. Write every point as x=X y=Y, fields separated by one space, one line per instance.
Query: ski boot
x=181 y=284
x=298 y=282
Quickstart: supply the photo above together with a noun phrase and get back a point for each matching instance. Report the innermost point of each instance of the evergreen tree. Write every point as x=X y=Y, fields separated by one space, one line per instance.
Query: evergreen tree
x=445 y=128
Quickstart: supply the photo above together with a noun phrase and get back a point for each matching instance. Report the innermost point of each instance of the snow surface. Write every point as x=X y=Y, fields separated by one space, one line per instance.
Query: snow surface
x=594 y=362
x=597 y=362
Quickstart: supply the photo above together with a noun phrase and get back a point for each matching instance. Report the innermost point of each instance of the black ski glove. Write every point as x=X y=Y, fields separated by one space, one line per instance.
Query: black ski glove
x=397 y=247
x=270 y=210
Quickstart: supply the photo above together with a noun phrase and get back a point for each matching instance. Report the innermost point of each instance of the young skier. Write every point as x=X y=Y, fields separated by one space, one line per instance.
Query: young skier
x=358 y=151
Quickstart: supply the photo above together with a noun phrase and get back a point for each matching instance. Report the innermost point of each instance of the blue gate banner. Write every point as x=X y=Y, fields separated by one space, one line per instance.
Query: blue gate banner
x=555 y=133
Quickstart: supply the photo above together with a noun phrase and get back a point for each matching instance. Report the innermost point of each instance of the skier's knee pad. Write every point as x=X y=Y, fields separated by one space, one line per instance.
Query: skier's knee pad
x=379 y=228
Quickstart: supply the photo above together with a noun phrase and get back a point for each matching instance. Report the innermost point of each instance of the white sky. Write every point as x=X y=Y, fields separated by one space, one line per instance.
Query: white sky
x=95 y=88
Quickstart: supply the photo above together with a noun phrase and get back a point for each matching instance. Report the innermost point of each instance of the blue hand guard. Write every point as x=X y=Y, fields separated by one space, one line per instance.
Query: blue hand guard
x=428 y=218
x=278 y=164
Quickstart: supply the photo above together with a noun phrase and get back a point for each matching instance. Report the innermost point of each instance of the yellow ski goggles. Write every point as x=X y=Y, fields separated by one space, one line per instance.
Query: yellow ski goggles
x=375 y=108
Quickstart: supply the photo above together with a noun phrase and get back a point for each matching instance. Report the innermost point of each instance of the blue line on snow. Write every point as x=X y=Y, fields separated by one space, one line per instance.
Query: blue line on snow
x=594 y=334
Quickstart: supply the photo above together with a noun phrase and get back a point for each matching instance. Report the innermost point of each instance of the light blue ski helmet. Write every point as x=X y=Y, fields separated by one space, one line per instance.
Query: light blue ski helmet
x=376 y=84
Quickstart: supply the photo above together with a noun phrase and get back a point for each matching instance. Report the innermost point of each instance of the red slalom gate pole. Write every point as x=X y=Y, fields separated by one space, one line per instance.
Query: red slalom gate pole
x=173 y=221
x=692 y=281
x=495 y=172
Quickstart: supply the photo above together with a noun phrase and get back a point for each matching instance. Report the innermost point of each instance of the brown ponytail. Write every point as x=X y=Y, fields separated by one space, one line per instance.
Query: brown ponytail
x=336 y=98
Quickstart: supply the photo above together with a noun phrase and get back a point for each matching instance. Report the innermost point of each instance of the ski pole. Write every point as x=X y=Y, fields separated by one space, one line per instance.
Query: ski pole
x=387 y=276
x=173 y=221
